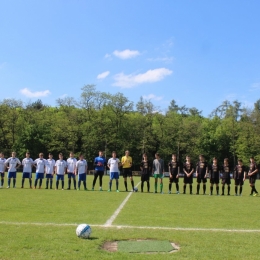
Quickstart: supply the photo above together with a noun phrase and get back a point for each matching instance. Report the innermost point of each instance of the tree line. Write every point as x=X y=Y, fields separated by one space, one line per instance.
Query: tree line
x=103 y=121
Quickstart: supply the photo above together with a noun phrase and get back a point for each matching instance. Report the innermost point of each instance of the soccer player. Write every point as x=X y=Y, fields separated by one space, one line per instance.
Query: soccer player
x=252 y=176
x=127 y=171
x=40 y=166
x=71 y=170
x=49 y=170
x=12 y=165
x=113 y=165
x=2 y=168
x=239 y=176
x=214 y=176
x=174 y=170
x=60 y=169
x=225 y=171
x=27 y=163
x=100 y=164
x=158 y=172
x=201 y=174
x=188 y=169
x=82 y=170
x=145 y=167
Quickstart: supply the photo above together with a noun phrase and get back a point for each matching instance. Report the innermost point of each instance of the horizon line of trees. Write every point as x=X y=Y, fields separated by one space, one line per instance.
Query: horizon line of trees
x=104 y=121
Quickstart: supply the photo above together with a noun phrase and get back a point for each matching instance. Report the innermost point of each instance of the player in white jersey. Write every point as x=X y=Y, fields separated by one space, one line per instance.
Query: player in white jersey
x=71 y=170
x=82 y=170
x=27 y=163
x=2 y=168
x=12 y=165
x=60 y=169
x=113 y=164
x=40 y=168
x=49 y=170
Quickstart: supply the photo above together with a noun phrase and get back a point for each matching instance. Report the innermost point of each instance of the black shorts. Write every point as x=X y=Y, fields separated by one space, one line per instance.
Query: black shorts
x=226 y=181
x=173 y=179
x=239 y=182
x=188 y=180
x=252 y=180
x=98 y=173
x=127 y=172
x=145 y=177
x=214 y=181
x=199 y=179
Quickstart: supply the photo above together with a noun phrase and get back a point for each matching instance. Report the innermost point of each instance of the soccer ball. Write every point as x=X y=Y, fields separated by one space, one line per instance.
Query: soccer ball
x=135 y=189
x=83 y=231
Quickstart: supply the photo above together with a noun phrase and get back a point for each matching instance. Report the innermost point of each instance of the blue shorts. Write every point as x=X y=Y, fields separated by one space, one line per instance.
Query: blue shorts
x=82 y=177
x=11 y=175
x=39 y=175
x=2 y=174
x=114 y=175
x=71 y=175
x=59 y=177
x=49 y=176
x=27 y=175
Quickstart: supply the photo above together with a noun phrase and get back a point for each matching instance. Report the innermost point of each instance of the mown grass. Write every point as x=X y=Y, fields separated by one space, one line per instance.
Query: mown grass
x=22 y=241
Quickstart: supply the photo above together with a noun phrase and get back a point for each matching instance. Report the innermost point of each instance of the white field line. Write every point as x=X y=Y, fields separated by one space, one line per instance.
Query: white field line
x=134 y=227
x=113 y=217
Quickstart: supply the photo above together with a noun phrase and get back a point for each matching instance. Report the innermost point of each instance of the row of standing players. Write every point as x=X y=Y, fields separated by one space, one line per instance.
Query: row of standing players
x=48 y=167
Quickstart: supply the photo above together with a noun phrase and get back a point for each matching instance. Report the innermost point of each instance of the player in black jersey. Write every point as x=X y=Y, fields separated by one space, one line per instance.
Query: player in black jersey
x=239 y=177
x=188 y=170
x=146 y=168
x=214 y=176
x=174 y=170
x=201 y=173
x=252 y=173
x=225 y=172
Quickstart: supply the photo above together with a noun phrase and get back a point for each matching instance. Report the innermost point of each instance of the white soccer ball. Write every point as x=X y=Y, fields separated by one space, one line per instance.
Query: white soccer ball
x=83 y=231
x=135 y=189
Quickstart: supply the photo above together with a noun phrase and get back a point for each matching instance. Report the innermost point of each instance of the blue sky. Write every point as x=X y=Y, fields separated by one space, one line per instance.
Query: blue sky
x=198 y=53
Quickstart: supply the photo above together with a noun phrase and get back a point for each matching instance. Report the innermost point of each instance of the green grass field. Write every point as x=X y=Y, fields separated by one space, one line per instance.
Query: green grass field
x=40 y=224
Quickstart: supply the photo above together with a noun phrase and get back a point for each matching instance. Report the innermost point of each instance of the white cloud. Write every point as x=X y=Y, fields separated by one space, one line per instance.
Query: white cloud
x=127 y=81
x=152 y=96
x=162 y=59
x=107 y=56
x=126 y=54
x=255 y=86
x=103 y=75
x=26 y=92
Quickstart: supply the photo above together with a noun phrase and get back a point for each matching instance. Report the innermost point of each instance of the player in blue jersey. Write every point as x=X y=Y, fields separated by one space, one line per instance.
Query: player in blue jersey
x=40 y=168
x=12 y=165
x=2 y=168
x=82 y=170
x=100 y=164
x=27 y=163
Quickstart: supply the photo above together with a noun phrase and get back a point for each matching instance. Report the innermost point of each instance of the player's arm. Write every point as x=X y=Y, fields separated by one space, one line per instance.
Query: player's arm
x=197 y=170
x=191 y=172
x=123 y=161
x=207 y=171
x=169 y=169
x=18 y=164
x=255 y=171
x=177 y=176
x=86 y=168
x=119 y=163
x=7 y=164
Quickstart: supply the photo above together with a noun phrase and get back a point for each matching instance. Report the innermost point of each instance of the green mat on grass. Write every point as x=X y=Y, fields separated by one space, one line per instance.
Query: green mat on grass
x=144 y=246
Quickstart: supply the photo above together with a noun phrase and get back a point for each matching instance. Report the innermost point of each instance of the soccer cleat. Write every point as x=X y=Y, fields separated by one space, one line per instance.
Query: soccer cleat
x=256 y=194
x=169 y=192
x=46 y=188
x=109 y=190
x=92 y=189
x=85 y=189
x=251 y=194
x=222 y=194
x=30 y=187
x=177 y=192
x=100 y=189
x=155 y=191
x=68 y=188
x=210 y=194
x=117 y=190
x=161 y=192
x=22 y=187
x=197 y=193
x=184 y=192
x=62 y=189
x=14 y=187
x=8 y=187
x=240 y=194
x=34 y=187
x=77 y=188
x=191 y=193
